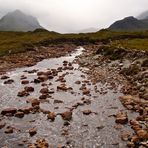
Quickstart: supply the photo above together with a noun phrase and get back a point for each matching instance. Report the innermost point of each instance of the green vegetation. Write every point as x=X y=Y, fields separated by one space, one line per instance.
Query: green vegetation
x=139 y=44
x=15 y=42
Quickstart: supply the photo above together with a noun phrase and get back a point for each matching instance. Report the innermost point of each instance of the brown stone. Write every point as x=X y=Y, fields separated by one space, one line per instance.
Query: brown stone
x=26 y=110
x=51 y=116
x=43 y=96
x=86 y=92
x=19 y=114
x=57 y=101
x=23 y=93
x=78 y=82
x=125 y=136
x=67 y=115
x=10 y=81
x=44 y=91
x=40 y=143
x=40 y=73
x=35 y=102
x=9 y=130
x=32 y=132
x=11 y=111
x=142 y=134
x=50 y=77
x=87 y=112
x=25 y=82
x=36 y=81
x=121 y=118
x=29 y=89
x=2 y=124
x=62 y=87
x=43 y=78
x=4 y=77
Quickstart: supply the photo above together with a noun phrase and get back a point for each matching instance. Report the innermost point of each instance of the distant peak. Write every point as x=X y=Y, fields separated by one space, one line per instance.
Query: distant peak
x=130 y=18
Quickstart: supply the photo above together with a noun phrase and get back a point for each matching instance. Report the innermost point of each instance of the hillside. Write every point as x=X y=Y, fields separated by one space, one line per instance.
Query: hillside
x=129 y=24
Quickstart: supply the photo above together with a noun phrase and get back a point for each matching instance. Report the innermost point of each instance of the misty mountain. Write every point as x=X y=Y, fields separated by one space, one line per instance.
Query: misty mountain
x=130 y=24
x=143 y=15
x=18 y=21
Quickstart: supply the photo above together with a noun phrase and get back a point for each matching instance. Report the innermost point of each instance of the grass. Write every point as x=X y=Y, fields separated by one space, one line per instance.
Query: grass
x=139 y=44
x=16 y=42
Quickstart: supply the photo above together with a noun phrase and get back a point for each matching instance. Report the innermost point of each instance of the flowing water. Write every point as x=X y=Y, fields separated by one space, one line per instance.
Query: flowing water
x=95 y=130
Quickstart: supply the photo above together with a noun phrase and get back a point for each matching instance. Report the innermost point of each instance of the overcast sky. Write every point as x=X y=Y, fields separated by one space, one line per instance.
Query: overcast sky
x=74 y=15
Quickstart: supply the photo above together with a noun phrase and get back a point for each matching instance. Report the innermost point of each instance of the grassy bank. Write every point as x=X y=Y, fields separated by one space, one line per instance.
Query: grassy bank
x=15 y=42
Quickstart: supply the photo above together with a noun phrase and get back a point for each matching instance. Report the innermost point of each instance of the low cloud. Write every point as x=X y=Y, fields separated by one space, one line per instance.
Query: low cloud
x=74 y=15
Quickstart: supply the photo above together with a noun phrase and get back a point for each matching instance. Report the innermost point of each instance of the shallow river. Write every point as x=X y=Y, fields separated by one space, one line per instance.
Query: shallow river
x=95 y=130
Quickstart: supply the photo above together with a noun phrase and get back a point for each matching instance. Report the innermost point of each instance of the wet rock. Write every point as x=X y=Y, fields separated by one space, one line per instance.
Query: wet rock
x=9 y=111
x=40 y=73
x=9 y=130
x=40 y=143
x=50 y=77
x=26 y=109
x=57 y=101
x=44 y=91
x=36 y=81
x=142 y=134
x=35 y=102
x=121 y=118
x=66 y=123
x=51 y=91
x=32 y=132
x=4 y=77
x=43 y=78
x=78 y=82
x=10 y=81
x=62 y=87
x=23 y=77
x=67 y=115
x=43 y=96
x=24 y=82
x=87 y=101
x=22 y=93
x=19 y=114
x=29 y=89
x=2 y=124
x=125 y=136
x=86 y=92
x=51 y=116
x=87 y=112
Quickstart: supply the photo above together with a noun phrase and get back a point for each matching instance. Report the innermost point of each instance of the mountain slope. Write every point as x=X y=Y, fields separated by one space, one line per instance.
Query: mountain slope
x=18 y=21
x=143 y=15
x=129 y=24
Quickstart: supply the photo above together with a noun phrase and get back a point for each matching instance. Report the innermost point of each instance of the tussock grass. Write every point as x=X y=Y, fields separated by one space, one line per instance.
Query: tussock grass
x=16 y=42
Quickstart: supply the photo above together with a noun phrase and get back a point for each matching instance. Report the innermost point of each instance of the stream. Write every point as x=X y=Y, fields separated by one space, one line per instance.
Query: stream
x=95 y=130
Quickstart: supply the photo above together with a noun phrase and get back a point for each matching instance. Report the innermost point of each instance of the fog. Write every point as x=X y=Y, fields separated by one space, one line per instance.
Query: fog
x=75 y=15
